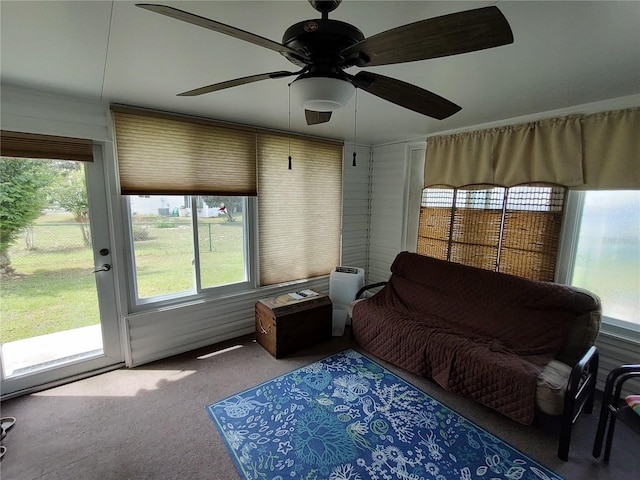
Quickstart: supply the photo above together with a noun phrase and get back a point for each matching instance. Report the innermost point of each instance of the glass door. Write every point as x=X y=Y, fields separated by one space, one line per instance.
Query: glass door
x=57 y=292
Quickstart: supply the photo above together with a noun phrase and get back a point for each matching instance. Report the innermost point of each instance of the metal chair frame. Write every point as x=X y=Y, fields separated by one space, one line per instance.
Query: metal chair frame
x=613 y=409
x=578 y=397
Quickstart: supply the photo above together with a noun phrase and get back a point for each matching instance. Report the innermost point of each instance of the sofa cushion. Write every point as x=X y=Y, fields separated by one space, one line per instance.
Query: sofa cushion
x=479 y=366
x=470 y=284
x=550 y=388
x=460 y=293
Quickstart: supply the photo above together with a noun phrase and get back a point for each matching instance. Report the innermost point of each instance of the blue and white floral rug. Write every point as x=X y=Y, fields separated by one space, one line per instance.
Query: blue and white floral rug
x=347 y=418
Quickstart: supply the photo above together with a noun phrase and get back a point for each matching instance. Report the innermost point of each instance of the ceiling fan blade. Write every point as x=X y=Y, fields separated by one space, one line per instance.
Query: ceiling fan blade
x=222 y=28
x=452 y=34
x=406 y=95
x=314 y=118
x=236 y=82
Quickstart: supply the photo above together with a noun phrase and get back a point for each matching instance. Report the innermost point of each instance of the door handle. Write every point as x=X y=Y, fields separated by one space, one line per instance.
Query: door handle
x=102 y=268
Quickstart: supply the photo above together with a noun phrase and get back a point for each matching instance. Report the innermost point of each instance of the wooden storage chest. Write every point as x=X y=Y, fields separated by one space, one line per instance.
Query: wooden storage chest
x=285 y=324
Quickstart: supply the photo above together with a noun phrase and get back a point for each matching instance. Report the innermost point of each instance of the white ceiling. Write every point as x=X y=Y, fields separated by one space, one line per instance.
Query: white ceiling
x=565 y=53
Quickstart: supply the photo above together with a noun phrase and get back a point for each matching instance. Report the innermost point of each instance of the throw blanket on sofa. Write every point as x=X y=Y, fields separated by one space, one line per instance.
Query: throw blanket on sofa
x=485 y=335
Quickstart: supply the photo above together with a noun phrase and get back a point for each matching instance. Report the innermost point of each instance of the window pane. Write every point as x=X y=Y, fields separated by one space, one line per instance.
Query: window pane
x=162 y=244
x=608 y=252
x=221 y=237
x=483 y=199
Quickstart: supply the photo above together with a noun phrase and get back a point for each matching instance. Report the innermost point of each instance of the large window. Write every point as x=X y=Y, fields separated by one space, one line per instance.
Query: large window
x=607 y=253
x=191 y=185
x=183 y=245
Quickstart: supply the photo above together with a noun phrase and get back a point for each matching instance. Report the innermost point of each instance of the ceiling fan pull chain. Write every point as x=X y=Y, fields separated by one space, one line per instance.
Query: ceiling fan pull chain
x=289 y=126
x=355 y=127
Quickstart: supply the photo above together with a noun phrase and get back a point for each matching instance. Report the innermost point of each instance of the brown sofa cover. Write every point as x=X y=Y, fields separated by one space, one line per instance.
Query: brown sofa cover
x=483 y=334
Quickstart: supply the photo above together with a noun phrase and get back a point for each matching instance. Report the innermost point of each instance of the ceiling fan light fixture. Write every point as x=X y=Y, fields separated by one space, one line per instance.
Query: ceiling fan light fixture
x=321 y=94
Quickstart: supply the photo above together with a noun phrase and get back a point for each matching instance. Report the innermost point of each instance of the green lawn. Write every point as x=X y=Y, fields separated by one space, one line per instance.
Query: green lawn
x=164 y=262
x=55 y=287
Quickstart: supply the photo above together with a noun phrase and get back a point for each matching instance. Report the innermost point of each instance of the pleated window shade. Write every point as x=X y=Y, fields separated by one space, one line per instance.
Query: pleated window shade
x=299 y=210
x=169 y=154
x=512 y=230
x=50 y=147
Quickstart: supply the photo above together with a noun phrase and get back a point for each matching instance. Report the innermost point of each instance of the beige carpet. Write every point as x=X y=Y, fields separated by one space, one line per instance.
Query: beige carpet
x=150 y=422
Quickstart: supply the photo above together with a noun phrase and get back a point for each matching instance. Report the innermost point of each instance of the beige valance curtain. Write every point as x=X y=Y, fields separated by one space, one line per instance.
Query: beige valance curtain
x=548 y=151
x=50 y=147
x=300 y=210
x=462 y=159
x=612 y=150
x=169 y=154
x=593 y=151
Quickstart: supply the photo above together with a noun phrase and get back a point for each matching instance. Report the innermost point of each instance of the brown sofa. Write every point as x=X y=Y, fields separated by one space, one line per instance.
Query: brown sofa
x=518 y=346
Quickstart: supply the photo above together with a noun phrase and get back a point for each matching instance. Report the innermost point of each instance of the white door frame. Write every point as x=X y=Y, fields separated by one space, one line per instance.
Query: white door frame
x=110 y=315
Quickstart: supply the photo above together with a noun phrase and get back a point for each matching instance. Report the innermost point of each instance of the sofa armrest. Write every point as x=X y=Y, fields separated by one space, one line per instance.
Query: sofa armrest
x=583 y=377
x=368 y=287
x=578 y=396
x=359 y=294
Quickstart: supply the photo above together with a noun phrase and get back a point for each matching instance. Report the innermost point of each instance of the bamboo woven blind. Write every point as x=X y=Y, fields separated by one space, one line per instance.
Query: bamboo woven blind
x=169 y=154
x=511 y=230
x=475 y=233
x=531 y=232
x=30 y=145
x=299 y=214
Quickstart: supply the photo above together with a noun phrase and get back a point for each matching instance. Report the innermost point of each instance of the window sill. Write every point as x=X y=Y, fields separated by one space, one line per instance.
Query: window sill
x=236 y=292
x=621 y=329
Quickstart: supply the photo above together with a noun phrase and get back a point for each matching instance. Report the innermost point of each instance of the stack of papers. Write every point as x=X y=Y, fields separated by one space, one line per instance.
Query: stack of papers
x=300 y=294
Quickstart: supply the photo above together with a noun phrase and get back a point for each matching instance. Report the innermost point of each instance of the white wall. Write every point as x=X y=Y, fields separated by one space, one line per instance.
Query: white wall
x=32 y=111
x=396 y=186
x=355 y=206
x=387 y=209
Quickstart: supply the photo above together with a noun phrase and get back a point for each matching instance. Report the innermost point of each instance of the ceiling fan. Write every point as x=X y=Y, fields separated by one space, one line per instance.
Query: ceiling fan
x=324 y=48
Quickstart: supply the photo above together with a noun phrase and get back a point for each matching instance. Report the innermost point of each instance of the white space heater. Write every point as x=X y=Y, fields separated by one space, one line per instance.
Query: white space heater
x=344 y=283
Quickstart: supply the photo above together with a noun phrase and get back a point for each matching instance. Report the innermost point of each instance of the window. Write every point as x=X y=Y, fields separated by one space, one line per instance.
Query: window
x=512 y=230
x=190 y=185
x=183 y=245
x=607 y=253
